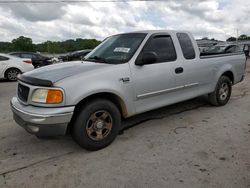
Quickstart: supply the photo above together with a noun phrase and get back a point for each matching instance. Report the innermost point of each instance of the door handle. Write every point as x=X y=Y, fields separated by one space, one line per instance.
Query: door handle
x=179 y=70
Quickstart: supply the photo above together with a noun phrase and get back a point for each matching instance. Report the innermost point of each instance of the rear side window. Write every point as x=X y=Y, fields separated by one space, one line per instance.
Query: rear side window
x=28 y=56
x=15 y=54
x=163 y=46
x=186 y=45
x=2 y=58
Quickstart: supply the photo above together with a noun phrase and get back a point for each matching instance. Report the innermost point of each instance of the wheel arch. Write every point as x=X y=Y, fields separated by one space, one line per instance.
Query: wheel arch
x=117 y=100
x=102 y=95
x=230 y=75
x=9 y=68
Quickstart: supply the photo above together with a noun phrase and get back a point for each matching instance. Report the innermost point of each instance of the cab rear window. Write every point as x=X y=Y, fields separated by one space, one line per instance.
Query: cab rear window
x=186 y=45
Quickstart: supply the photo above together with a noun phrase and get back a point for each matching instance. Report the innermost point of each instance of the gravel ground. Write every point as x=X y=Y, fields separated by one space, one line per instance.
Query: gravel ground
x=190 y=144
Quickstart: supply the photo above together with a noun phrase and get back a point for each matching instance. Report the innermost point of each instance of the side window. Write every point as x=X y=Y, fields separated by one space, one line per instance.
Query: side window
x=163 y=46
x=2 y=58
x=34 y=56
x=28 y=56
x=233 y=49
x=86 y=53
x=15 y=54
x=186 y=45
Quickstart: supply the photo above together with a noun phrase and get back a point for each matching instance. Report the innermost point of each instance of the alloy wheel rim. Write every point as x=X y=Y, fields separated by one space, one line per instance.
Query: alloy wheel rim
x=12 y=74
x=99 y=125
x=223 y=92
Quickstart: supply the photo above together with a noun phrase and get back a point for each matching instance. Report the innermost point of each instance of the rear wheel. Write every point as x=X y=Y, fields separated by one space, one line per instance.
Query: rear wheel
x=97 y=124
x=222 y=92
x=11 y=74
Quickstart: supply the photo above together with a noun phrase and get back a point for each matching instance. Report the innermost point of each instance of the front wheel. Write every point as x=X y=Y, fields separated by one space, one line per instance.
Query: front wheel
x=97 y=124
x=222 y=92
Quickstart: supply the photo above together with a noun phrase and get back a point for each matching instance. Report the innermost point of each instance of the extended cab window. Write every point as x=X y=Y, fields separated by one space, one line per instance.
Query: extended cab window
x=186 y=45
x=163 y=46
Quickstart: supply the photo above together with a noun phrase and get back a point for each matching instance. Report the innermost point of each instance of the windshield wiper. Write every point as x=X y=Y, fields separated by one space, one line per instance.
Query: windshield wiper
x=99 y=59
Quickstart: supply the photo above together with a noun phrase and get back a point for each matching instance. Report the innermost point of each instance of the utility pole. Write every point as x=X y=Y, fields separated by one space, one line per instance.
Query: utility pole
x=237 y=35
x=48 y=46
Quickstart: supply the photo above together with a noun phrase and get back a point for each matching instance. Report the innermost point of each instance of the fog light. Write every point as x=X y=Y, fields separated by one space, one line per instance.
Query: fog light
x=33 y=129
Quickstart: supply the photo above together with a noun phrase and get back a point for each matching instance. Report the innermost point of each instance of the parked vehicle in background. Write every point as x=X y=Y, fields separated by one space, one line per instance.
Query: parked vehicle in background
x=11 y=66
x=245 y=49
x=127 y=74
x=75 y=56
x=54 y=60
x=226 y=48
x=38 y=60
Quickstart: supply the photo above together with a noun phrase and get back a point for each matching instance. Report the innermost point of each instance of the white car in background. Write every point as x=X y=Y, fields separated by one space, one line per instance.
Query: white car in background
x=11 y=66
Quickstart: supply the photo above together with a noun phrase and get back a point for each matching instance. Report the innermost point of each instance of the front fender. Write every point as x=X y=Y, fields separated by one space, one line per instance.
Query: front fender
x=80 y=87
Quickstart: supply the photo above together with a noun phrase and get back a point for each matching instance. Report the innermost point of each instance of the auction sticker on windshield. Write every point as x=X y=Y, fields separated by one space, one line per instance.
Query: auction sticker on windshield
x=121 y=49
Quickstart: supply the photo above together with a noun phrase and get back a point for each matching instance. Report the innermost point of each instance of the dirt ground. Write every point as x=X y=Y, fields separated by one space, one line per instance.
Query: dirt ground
x=190 y=144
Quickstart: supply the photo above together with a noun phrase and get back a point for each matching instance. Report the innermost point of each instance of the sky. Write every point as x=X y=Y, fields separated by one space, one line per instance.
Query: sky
x=217 y=19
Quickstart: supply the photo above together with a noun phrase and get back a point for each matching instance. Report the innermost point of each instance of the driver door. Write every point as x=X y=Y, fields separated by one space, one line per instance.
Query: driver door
x=155 y=84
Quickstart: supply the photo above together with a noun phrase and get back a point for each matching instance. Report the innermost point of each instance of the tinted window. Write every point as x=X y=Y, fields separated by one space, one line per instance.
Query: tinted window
x=186 y=45
x=233 y=49
x=28 y=56
x=243 y=47
x=16 y=54
x=2 y=58
x=164 y=48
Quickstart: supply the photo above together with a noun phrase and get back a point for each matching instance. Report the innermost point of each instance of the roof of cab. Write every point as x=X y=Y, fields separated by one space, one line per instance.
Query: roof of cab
x=159 y=31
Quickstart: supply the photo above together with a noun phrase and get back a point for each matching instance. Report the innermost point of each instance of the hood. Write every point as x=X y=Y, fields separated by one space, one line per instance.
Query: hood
x=56 y=72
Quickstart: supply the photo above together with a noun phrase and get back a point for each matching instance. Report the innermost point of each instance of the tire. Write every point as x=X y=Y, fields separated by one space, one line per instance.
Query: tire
x=97 y=124
x=11 y=74
x=222 y=92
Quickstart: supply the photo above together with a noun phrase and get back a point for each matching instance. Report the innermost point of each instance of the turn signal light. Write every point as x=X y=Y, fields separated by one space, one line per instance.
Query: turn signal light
x=54 y=97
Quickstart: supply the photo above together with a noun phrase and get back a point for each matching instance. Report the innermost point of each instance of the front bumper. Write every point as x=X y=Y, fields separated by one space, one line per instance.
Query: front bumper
x=42 y=121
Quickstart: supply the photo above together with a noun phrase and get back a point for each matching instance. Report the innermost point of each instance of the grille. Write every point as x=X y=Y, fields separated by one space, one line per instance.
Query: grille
x=23 y=92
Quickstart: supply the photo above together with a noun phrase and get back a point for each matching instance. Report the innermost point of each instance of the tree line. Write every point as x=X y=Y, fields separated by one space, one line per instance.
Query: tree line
x=26 y=44
x=242 y=37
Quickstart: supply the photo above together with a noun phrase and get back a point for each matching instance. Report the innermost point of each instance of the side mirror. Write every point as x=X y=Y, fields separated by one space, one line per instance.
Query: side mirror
x=147 y=58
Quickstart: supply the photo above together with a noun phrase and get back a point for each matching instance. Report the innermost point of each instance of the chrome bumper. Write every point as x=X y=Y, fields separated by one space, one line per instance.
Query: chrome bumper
x=42 y=121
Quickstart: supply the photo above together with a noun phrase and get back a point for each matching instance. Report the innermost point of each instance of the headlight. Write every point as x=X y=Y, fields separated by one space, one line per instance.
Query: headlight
x=47 y=96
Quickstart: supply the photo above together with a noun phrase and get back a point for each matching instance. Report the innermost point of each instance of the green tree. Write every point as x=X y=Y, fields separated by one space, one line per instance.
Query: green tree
x=23 y=44
x=5 y=46
x=205 y=38
x=243 y=37
x=230 y=39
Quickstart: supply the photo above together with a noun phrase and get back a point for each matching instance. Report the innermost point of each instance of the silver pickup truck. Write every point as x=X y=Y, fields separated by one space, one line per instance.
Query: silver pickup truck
x=127 y=74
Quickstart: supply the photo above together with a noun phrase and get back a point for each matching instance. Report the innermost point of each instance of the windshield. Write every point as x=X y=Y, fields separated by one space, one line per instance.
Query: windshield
x=117 y=49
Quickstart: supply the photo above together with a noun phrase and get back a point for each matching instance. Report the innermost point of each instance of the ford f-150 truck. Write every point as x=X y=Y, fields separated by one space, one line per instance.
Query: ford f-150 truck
x=127 y=74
